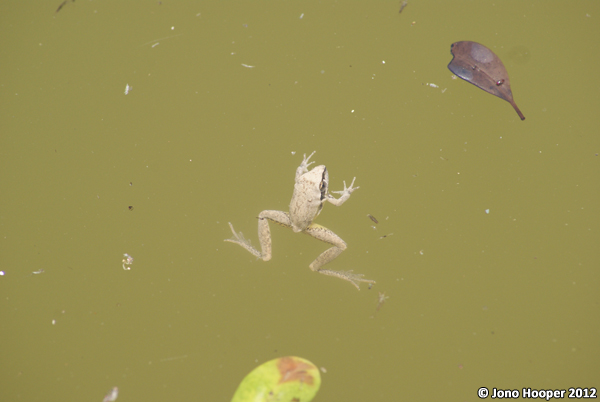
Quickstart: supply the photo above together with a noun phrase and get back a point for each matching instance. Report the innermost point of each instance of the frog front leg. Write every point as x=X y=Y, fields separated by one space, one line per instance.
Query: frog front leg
x=264 y=233
x=345 y=194
x=303 y=168
x=326 y=235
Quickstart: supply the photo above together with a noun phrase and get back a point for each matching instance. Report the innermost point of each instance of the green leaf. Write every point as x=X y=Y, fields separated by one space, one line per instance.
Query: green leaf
x=285 y=379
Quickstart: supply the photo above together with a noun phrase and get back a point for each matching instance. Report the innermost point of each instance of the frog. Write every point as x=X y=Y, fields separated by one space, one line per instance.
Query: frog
x=311 y=192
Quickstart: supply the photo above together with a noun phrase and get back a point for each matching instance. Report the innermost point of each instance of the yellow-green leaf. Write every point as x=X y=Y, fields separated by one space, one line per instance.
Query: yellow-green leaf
x=285 y=379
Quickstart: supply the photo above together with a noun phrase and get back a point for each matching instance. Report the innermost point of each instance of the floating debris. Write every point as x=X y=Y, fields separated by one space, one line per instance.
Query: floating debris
x=155 y=41
x=402 y=6
x=387 y=235
x=372 y=218
x=127 y=89
x=39 y=271
x=128 y=260
x=478 y=65
x=381 y=299
x=247 y=66
x=112 y=395
x=63 y=4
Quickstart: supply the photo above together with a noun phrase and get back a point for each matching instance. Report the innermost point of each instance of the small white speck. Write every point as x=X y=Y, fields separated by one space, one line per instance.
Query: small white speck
x=293 y=152
x=301 y=15
x=487 y=211
x=382 y=61
x=172 y=28
x=127 y=89
x=247 y=66
x=53 y=322
x=2 y=273
x=352 y=111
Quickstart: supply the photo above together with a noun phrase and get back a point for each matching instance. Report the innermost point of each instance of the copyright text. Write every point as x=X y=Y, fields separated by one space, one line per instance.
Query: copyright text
x=530 y=393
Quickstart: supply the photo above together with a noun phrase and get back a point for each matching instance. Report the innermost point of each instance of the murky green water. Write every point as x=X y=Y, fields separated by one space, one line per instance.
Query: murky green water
x=222 y=102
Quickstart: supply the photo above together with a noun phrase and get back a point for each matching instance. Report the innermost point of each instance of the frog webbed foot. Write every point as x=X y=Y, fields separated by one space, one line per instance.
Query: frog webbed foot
x=347 y=190
x=349 y=276
x=305 y=162
x=345 y=194
x=238 y=238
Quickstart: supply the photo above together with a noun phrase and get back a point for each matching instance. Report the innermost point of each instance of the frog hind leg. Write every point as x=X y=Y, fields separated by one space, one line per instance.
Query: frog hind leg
x=322 y=233
x=264 y=233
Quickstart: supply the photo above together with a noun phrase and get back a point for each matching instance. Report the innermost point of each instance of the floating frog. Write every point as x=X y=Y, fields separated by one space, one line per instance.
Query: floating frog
x=310 y=193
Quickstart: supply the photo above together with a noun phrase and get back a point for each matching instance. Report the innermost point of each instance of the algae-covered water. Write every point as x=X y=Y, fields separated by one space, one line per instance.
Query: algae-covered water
x=143 y=128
